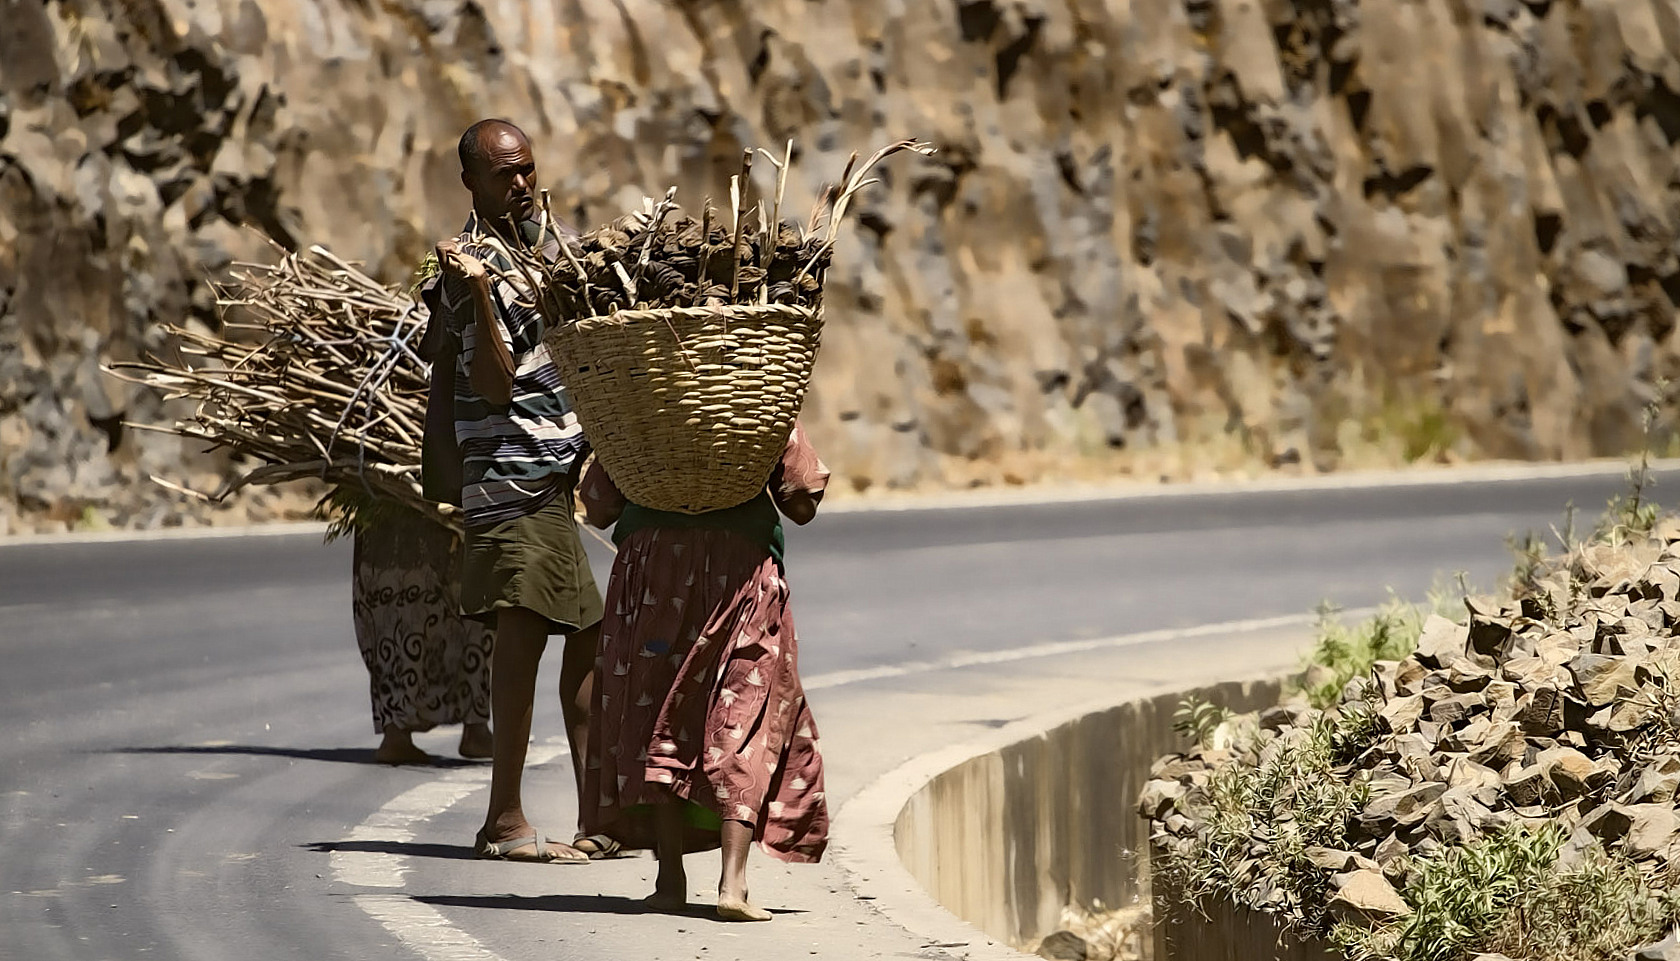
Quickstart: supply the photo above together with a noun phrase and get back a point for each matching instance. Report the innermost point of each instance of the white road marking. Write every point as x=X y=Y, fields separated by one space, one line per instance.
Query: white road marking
x=419 y=926
x=1054 y=648
x=423 y=929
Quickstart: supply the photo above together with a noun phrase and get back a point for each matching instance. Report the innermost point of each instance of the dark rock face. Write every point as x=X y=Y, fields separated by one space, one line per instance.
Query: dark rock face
x=1289 y=221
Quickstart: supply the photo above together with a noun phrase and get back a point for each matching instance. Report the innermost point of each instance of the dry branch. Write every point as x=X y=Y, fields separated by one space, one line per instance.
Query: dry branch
x=315 y=375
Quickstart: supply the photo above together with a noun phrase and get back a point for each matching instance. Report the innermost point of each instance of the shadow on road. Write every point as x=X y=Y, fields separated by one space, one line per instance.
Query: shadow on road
x=574 y=904
x=452 y=852
x=347 y=755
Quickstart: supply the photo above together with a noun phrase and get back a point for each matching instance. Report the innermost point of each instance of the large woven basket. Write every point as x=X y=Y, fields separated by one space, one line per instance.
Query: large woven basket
x=689 y=408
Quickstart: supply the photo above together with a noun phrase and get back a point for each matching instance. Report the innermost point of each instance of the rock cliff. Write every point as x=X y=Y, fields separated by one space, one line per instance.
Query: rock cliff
x=1283 y=226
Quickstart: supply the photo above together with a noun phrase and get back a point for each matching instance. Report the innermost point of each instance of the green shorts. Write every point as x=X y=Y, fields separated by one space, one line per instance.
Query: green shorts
x=536 y=562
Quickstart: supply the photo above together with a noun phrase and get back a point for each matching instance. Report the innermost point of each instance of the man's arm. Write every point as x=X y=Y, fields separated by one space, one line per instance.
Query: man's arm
x=434 y=343
x=797 y=483
x=491 y=370
x=492 y=361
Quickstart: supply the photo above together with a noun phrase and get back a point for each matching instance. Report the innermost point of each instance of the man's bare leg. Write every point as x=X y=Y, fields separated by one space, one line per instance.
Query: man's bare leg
x=670 y=890
x=732 y=902
x=577 y=668
x=521 y=636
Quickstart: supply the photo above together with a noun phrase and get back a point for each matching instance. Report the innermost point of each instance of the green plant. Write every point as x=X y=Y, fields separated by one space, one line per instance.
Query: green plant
x=1422 y=428
x=1260 y=816
x=348 y=509
x=1459 y=898
x=1197 y=719
x=1356 y=726
x=1427 y=433
x=1528 y=554
x=1349 y=652
x=1566 y=537
x=1632 y=514
x=92 y=520
x=1593 y=912
x=1506 y=894
x=426 y=270
x=1447 y=601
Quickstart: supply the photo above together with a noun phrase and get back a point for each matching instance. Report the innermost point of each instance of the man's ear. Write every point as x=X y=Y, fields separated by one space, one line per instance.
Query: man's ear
x=466 y=181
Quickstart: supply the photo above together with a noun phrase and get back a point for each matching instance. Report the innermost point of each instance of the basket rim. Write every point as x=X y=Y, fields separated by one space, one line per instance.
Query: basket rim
x=644 y=315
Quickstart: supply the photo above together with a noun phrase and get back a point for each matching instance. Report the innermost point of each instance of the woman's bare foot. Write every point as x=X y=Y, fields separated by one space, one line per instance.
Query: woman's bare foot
x=740 y=909
x=476 y=741
x=398 y=748
x=732 y=903
x=670 y=890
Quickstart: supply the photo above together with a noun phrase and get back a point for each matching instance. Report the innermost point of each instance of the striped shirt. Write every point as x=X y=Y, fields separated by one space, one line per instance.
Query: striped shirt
x=515 y=458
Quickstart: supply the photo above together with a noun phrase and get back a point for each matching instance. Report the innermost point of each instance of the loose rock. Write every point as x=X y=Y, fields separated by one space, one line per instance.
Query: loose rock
x=1366 y=895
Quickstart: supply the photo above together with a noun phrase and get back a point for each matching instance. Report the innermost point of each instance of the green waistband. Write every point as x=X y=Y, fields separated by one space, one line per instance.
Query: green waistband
x=755 y=520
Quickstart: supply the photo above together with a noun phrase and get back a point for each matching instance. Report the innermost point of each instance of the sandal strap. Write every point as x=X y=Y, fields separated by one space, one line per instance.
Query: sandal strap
x=501 y=848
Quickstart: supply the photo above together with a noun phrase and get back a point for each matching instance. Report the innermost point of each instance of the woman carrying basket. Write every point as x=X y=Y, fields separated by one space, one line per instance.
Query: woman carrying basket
x=702 y=735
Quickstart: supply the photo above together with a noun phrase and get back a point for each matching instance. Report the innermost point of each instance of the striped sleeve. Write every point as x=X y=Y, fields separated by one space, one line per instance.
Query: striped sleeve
x=515 y=456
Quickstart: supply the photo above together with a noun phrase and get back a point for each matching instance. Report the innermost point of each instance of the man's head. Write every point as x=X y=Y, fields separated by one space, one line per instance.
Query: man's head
x=497 y=166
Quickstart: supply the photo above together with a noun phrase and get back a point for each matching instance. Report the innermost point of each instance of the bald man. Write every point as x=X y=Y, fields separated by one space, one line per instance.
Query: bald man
x=525 y=571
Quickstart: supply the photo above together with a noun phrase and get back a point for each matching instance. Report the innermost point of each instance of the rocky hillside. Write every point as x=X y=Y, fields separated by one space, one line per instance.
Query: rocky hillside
x=1280 y=226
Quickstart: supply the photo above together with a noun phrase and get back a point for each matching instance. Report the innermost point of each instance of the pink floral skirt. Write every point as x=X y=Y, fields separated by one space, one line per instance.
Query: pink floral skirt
x=697 y=698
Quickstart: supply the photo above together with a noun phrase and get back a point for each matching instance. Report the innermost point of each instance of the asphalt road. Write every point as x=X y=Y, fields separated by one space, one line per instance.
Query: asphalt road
x=184 y=730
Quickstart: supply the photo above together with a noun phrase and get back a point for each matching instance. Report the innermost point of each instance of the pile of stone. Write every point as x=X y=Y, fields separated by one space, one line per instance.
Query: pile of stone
x=1555 y=706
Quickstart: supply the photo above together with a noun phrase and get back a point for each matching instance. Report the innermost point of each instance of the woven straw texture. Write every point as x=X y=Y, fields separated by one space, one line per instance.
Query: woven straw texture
x=688 y=408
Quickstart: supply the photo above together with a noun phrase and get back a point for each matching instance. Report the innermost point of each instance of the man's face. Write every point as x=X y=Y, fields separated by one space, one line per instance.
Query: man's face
x=501 y=185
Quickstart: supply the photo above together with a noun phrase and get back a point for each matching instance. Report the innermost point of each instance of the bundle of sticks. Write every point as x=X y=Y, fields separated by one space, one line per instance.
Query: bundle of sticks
x=315 y=374
x=688 y=265
x=661 y=257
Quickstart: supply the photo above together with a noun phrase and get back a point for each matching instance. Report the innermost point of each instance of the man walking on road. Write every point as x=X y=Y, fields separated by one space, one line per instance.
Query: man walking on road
x=525 y=569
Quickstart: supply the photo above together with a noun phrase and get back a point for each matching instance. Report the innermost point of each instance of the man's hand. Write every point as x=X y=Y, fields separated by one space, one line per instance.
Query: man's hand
x=456 y=262
x=492 y=367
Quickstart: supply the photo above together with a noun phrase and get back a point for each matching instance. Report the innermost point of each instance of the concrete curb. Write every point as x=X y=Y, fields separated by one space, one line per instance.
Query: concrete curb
x=869 y=855
x=865 y=845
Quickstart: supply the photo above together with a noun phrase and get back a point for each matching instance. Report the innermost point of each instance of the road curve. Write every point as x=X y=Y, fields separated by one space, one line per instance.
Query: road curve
x=185 y=750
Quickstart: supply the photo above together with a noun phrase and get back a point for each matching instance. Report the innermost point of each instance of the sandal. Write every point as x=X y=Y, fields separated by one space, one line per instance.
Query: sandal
x=599 y=847
x=503 y=850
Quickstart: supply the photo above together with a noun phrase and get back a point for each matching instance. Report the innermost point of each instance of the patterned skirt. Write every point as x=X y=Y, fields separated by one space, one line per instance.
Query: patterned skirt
x=698 y=699
x=427 y=665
